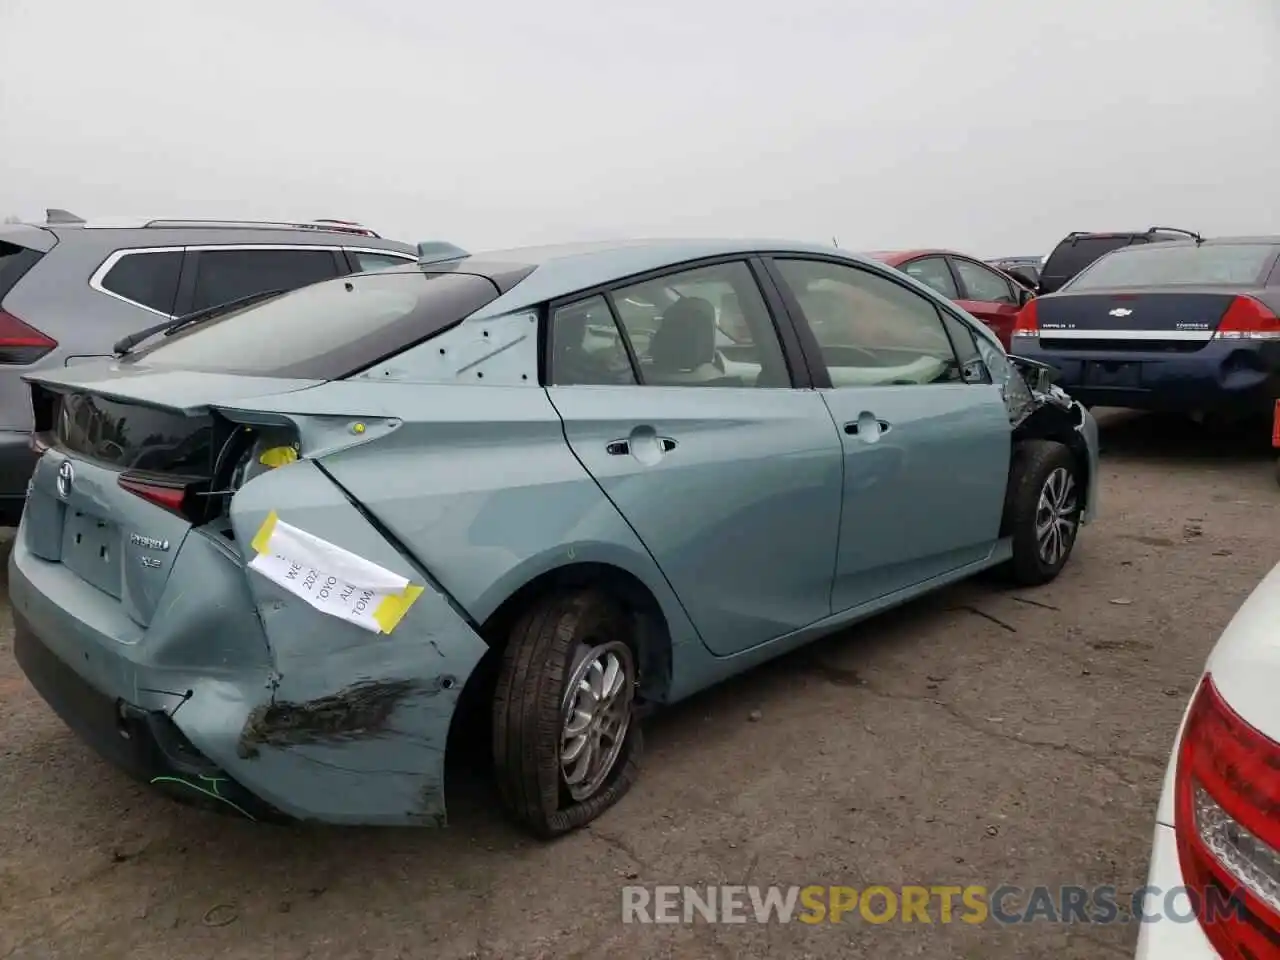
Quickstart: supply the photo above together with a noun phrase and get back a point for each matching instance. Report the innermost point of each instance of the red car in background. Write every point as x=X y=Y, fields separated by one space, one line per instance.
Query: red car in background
x=976 y=287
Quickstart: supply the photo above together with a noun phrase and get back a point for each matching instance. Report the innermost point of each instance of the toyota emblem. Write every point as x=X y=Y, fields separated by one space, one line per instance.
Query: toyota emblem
x=66 y=476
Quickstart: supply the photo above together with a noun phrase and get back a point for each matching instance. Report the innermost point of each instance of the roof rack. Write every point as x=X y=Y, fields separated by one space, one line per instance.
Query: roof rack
x=1194 y=236
x=1075 y=235
x=328 y=226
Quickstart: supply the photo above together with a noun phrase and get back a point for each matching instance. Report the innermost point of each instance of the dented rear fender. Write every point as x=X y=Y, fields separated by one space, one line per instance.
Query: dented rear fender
x=347 y=725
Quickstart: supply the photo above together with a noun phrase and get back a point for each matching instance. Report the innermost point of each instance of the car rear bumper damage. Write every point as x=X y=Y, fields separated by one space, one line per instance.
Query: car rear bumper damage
x=1235 y=377
x=240 y=696
x=146 y=744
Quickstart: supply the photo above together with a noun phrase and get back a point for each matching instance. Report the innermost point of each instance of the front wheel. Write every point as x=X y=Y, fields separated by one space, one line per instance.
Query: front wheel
x=1042 y=511
x=566 y=741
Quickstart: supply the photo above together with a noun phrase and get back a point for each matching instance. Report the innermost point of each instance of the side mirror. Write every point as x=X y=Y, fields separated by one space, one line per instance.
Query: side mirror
x=1038 y=376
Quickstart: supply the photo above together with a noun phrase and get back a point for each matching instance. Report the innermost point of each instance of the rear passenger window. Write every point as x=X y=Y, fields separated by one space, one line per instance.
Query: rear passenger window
x=705 y=327
x=150 y=279
x=587 y=348
x=226 y=275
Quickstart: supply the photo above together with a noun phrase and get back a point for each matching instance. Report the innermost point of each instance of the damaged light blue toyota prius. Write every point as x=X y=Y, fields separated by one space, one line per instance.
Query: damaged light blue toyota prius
x=263 y=555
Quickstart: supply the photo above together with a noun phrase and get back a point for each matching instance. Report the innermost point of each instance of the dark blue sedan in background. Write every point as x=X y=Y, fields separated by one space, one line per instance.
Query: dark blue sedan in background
x=1181 y=326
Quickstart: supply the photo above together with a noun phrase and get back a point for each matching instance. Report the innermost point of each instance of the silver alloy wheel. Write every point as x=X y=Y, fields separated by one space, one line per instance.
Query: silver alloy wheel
x=595 y=716
x=1056 y=516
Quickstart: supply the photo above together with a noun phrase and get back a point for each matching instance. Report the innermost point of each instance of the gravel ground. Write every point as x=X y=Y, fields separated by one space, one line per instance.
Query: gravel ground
x=973 y=737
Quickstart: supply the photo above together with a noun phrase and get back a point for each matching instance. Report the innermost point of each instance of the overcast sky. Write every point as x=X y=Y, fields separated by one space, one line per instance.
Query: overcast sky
x=992 y=126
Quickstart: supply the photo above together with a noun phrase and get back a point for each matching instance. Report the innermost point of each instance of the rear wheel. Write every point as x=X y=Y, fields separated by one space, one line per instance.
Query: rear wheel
x=565 y=738
x=1042 y=511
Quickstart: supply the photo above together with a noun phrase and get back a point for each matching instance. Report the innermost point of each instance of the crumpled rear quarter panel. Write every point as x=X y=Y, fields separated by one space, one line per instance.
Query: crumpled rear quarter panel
x=356 y=724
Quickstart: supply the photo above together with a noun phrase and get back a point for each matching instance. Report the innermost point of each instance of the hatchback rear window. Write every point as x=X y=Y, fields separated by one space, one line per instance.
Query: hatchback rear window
x=14 y=262
x=328 y=330
x=1073 y=256
x=1162 y=264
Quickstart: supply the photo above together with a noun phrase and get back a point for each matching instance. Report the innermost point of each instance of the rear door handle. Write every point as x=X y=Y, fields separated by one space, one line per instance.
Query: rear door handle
x=851 y=427
x=620 y=448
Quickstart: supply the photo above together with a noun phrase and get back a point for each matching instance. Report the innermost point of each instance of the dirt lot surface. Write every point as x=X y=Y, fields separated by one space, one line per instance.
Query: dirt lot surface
x=979 y=736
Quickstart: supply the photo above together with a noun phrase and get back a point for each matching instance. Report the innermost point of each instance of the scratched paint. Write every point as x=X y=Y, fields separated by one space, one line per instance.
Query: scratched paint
x=360 y=711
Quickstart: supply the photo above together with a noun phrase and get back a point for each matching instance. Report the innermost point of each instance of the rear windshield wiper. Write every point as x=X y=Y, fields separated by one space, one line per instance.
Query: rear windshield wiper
x=170 y=327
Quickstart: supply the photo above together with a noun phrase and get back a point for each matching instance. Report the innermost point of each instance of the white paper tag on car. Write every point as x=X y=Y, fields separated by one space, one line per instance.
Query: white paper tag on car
x=331 y=578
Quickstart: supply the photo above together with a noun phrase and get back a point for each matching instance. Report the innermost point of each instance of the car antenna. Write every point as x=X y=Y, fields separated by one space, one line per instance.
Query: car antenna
x=57 y=215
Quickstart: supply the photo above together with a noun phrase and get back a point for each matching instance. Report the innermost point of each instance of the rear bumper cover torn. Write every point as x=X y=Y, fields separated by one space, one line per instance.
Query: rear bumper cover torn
x=239 y=694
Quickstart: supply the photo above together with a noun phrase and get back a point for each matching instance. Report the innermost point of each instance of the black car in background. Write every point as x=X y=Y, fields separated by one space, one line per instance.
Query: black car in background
x=1183 y=326
x=1025 y=270
x=1079 y=249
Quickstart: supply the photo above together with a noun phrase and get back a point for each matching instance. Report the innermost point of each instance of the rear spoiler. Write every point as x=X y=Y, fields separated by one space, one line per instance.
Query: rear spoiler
x=179 y=391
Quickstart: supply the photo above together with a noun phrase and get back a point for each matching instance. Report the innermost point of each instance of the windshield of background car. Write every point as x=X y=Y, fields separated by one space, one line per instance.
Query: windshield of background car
x=1162 y=264
x=328 y=330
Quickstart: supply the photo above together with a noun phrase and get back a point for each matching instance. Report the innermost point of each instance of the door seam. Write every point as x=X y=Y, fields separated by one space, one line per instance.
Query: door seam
x=835 y=560
x=564 y=432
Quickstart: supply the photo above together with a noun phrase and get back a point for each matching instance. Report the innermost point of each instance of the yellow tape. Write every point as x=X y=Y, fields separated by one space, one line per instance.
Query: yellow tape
x=263 y=536
x=278 y=456
x=393 y=608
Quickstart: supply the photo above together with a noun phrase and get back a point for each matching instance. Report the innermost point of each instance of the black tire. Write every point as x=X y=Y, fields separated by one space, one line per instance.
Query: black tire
x=1034 y=463
x=527 y=713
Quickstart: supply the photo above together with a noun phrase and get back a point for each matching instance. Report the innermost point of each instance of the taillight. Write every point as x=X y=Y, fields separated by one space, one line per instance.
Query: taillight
x=1227 y=820
x=21 y=343
x=1248 y=319
x=1027 y=324
x=172 y=495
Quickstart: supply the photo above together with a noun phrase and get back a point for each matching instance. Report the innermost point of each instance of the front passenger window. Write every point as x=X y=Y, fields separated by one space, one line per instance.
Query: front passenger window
x=983 y=284
x=870 y=330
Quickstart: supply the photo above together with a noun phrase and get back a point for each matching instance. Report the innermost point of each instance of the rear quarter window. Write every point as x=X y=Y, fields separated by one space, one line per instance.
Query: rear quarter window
x=150 y=279
x=328 y=330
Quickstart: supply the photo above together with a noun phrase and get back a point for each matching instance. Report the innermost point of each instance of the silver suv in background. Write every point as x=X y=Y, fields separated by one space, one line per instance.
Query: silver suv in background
x=70 y=288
